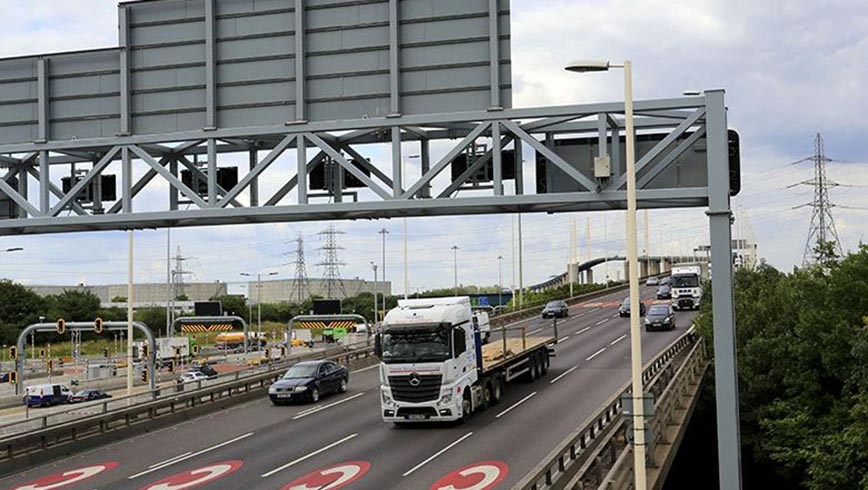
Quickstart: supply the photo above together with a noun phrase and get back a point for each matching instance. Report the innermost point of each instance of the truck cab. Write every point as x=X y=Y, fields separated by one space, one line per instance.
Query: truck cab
x=428 y=352
x=686 y=282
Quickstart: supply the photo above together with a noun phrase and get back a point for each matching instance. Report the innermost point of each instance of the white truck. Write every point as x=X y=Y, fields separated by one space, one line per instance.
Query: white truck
x=169 y=349
x=686 y=282
x=434 y=366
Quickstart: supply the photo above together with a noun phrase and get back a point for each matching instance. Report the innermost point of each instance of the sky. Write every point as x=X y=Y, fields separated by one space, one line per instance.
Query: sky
x=789 y=72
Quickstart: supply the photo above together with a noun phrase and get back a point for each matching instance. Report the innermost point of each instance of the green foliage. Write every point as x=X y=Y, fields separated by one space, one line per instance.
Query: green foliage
x=802 y=346
x=19 y=307
x=233 y=304
x=72 y=305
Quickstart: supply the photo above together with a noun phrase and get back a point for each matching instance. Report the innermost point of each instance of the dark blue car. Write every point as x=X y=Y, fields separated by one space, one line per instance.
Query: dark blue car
x=308 y=381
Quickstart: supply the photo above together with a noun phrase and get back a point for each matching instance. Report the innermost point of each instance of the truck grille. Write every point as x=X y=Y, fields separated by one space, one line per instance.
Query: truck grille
x=415 y=388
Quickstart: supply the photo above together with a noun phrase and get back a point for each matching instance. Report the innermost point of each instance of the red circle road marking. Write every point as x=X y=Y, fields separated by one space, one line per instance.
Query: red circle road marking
x=194 y=478
x=331 y=477
x=478 y=476
x=60 y=480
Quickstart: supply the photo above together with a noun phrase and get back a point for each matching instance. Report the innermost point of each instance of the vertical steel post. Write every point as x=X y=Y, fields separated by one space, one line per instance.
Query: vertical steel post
x=725 y=361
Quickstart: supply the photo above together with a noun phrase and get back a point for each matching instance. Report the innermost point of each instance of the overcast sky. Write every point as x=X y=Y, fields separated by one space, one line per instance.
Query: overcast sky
x=789 y=71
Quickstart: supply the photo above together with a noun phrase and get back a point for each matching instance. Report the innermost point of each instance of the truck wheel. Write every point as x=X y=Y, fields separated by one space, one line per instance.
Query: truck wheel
x=544 y=363
x=486 y=397
x=532 y=372
x=496 y=391
x=466 y=408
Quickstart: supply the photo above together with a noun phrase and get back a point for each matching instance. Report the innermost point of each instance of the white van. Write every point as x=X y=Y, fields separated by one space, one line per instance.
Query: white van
x=46 y=395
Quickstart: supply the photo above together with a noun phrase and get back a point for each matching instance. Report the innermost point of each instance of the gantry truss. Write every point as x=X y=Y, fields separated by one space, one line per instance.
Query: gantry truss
x=151 y=193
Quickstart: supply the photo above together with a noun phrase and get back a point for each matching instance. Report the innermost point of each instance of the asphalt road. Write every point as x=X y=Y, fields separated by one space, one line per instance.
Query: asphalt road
x=260 y=446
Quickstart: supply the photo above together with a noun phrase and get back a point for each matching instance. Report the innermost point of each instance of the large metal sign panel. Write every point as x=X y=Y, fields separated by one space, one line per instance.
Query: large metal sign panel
x=185 y=65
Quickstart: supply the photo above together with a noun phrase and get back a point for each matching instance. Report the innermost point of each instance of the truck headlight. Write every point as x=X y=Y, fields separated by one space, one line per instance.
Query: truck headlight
x=446 y=398
x=387 y=400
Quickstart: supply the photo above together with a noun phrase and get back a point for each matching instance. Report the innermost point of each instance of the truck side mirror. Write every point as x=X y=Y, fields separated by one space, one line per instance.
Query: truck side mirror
x=458 y=341
x=378 y=346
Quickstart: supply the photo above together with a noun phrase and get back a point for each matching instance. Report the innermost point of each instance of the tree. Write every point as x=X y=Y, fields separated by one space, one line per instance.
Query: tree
x=19 y=307
x=73 y=305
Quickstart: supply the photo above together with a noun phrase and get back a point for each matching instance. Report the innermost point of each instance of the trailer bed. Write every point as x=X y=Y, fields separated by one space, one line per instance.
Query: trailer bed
x=492 y=352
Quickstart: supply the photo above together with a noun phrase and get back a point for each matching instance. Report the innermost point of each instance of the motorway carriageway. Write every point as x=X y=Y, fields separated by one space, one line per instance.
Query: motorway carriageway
x=341 y=442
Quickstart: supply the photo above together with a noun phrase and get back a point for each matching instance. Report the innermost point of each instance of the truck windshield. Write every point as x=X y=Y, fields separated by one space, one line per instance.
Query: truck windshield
x=422 y=345
x=689 y=281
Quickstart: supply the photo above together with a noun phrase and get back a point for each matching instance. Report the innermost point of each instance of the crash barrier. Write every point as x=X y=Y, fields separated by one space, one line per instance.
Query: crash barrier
x=44 y=437
x=536 y=310
x=597 y=454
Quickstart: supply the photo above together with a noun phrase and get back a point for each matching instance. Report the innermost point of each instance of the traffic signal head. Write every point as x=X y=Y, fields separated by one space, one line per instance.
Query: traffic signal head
x=144 y=374
x=105 y=352
x=734 y=163
x=13 y=377
x=42 y=353
x=13 y=352
x=97 y=325
x=196 y=349
x=61 y=326
x=177 y=351
x=50 y=364
x=145 y=351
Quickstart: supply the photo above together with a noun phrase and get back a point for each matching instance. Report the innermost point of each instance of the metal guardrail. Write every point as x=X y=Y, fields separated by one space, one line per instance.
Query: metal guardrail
x=598 y=444
x=527 y=312
x=56 y=430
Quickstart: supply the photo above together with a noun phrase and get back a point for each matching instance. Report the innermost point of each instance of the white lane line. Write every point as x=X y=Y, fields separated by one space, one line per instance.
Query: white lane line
x=583 y=330
x=170 y=460
x=618 y=339
x=423 y=463
x=615 y=316
x=501 y=414
x=595 y=354
x=309 y=455
x=568 y=371
x=189 y=455
x=375 y=366
x=535 y=331
x=602 y=321
x=319 y=409
x=563 y=339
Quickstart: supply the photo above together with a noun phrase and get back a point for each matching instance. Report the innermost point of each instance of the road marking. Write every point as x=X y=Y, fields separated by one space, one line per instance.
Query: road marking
x=423 y=463
x=375 y=366
x=309 y=455
x=191 y=455
x=602 y=321
x=170 y=460
x=615 y=316
x=583 y=330
x=318 y=409
x=514 y=405
x=568 y=371
x=618 y=339
x=595 y=354
x=563 y=339
x=534 y=331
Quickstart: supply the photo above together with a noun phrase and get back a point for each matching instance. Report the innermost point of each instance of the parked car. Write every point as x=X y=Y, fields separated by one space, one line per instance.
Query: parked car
x=192 y=377
x=624 y=309
x=652 y=281
x=660 y=317
x=556 y=309
x=88 y=395
x=309 y=380
x=664 y=291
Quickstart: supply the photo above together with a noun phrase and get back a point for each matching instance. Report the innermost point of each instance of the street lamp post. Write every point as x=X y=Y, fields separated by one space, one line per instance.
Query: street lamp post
x=633 y=266
x=374 y=266
x=455 y=267
x=258 y=310
x=384 y=232
x=500 y=280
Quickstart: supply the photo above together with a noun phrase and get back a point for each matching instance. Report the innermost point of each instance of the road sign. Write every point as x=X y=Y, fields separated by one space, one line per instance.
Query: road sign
x=197 y=477
x=478 y=476
x=331 y=477
x=67 y=478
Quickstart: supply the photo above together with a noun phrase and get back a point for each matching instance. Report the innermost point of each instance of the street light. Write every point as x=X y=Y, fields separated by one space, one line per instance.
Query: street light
x=374 y=266
x=500 y=280
x=455 y=266
x=384 y=232
x=633 y=264
x=258 y=309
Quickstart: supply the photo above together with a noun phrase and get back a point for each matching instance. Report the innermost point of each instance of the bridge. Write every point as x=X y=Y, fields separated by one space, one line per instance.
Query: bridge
x=583 y=272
